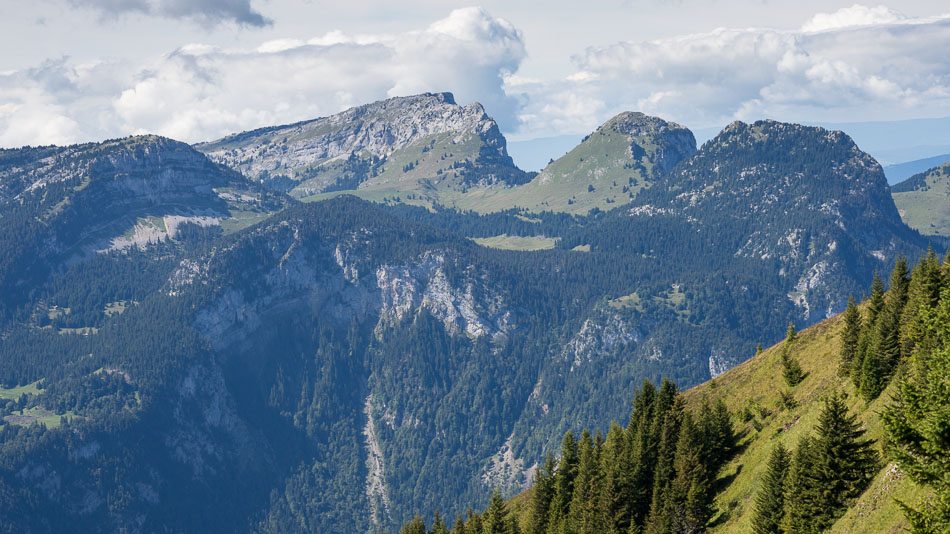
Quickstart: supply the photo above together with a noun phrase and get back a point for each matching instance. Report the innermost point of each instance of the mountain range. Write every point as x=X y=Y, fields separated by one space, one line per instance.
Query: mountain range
x=223 y=337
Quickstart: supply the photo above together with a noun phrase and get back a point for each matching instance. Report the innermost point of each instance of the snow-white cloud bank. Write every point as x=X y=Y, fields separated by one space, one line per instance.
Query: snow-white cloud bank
x=858 y=63
x=199 y=92
x=846 y=65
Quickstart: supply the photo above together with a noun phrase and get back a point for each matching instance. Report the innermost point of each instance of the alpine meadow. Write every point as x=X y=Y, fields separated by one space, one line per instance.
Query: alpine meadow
x=323 y=286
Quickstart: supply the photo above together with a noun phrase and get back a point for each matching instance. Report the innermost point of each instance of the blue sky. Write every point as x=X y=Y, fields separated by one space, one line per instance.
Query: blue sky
x=77 y=70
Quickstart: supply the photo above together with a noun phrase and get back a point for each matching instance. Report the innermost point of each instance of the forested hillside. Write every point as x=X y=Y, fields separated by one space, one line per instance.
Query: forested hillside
x=184 y=348
x=839 y=428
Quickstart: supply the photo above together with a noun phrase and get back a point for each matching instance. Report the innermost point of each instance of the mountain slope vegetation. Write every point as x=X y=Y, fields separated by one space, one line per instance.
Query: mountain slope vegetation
x=778 y=455
x=184 y=343
x=924 y=201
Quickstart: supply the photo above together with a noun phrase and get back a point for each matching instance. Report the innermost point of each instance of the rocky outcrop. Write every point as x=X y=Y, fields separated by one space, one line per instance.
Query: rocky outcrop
x=351 y=147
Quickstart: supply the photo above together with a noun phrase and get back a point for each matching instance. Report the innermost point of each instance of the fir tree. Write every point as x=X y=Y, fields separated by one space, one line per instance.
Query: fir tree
x=800 y=492
x=851 y=336
x=916 y=422
x=542 y=496
x=770 y=499
x=438 y=526
x=875 y=306
x=843 y=462
x=563 y=482
x=661 y=513
x=690 y=498
x=873 y=375
x=616 y=471
x=495 y=519
x=791 y=369
x=584 y=500
x=924 y=291
x=416 y=526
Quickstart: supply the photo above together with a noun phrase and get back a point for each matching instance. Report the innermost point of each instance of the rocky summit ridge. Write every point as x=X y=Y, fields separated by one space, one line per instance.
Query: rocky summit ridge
x=421 y=137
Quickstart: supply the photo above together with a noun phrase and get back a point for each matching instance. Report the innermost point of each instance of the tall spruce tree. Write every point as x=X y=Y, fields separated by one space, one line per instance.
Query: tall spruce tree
x=770 y=499
x=416 y=526
x=843 y=462
x=660 y=520
x=801 y=491
x=851 y=336
x=691 y=491
x=924 y=291
x=542 y=496
x=496 y=519
x=563 y=482
x=917 y=422
x=438 y=525
x=875 y=306
x=616 y=471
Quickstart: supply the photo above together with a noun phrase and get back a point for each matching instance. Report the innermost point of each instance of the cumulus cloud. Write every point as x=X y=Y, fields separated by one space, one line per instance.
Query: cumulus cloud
x=205 y=11
x=848 y=17
x=858 y=63
x=838 y=66
x=199 y=92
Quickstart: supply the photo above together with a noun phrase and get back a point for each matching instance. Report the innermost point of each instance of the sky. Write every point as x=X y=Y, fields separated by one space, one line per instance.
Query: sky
x=87 y=70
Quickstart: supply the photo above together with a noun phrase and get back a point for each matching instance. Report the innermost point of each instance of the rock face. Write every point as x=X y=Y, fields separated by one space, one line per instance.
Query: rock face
x=673 y=143
x=807 y=198
x=423 y=137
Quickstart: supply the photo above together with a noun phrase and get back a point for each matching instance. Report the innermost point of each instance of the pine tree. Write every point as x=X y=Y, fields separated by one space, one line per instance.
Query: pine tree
x=584 y=502
x=474 y=524
x=643 y=440
x=690 y=498
x=660 y=520
x=438 y=526
x=770 y=499
x=800 y=492
x=542 y=496
x=875 y=306
x=496 y=516
x=850 y=337
x=924 y=291
x=873 y=374
x=563 y=482
x=844 y=463
x=616 y=473
x=790 y=334
x=916 y=422
x=791 y=369
x=416 y=526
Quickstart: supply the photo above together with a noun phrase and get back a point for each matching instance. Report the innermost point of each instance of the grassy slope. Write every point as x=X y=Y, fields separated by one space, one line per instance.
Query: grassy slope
x=759 y=381
x=599 y=161
x=514 y=242
x=927 y=209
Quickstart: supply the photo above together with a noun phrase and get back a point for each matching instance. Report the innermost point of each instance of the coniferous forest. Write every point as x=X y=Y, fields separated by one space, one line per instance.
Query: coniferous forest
x=661 y=472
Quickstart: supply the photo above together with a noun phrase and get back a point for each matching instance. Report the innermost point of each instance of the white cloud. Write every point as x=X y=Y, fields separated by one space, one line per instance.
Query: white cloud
x=858 y=63
x=849 y=65
x=200 y=92
x=848 y=17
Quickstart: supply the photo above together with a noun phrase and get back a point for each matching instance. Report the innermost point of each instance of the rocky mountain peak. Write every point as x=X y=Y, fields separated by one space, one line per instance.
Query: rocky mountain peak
x=804 y=196
x=345 y=150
